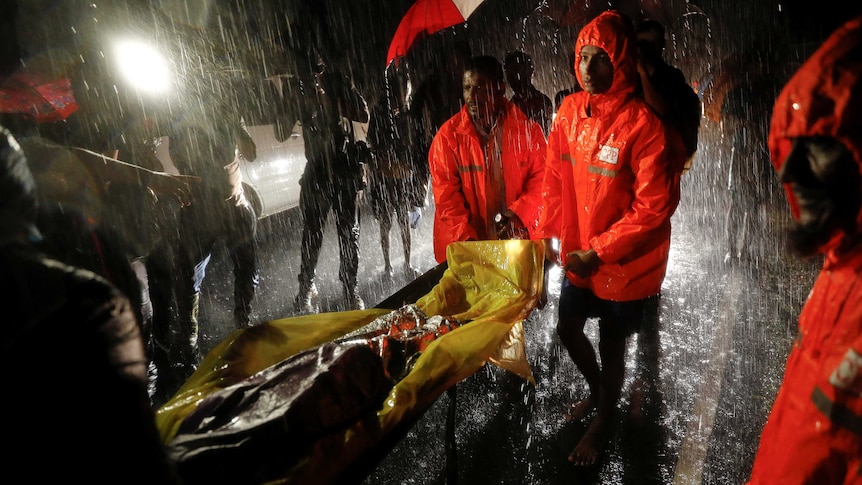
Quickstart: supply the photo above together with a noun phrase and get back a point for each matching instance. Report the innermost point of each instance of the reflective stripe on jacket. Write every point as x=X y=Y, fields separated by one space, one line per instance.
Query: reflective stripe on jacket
x=608 y=184
x=814 y=431
x=458 y=176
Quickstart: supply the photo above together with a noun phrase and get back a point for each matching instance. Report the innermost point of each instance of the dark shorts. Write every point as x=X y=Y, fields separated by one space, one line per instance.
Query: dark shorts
x=617 y=319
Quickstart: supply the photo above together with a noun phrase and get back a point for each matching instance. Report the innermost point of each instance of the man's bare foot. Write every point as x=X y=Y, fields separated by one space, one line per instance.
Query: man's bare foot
x=587 y=452
x=579 y=409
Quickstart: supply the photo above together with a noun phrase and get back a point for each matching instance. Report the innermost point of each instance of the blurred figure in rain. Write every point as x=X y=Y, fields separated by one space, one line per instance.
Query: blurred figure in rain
x=207 y=138
x=199 y=108
x=744 y=114
x=58 y=317
x=332 y=180
x=99 y=212
x=398 y=172
x=535 y=104
x=666 y=90
x=814 y=431
x=438 y=65
x=486 y=164
x=561 y=94
x=608 y=196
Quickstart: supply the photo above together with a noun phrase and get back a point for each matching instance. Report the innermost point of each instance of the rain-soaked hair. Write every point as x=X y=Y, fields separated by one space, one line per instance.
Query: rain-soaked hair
x=487 y=66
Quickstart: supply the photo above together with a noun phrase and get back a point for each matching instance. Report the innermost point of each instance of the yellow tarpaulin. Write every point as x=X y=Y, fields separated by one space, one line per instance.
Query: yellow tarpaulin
x=493 y=285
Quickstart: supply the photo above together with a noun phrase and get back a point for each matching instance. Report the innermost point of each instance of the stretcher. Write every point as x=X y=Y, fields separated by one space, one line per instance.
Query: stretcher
x=322 y=398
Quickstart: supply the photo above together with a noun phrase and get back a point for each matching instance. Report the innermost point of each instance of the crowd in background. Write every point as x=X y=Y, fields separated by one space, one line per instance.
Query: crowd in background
x=597 y=171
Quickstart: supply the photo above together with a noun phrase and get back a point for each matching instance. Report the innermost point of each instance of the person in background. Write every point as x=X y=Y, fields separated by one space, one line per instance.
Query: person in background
x=666 y=90
x=332 y=180
x=745 y=118
x=398 y=171
x=813 y=433
x=207 y=138
x=561 y=94
x=486 y=161
x=608 y=196
x=535 y=104
x=77 y=398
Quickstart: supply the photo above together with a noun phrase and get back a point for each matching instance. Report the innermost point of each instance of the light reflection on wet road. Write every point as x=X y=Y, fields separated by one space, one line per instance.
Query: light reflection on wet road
x=698 y=387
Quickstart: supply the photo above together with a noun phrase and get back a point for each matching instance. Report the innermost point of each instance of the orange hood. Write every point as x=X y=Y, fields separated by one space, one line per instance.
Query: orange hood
x=611 y=32
x=823 y=98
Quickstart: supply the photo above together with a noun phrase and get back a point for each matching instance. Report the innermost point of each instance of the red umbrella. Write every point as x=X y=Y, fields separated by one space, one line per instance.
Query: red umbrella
x=428 y=16
x=37 y=97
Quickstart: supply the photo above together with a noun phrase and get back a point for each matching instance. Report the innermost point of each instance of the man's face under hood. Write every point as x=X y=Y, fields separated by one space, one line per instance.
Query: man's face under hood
x=825 y=181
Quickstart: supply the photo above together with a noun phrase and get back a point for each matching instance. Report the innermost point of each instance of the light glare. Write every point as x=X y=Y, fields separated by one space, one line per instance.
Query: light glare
x=143 y=66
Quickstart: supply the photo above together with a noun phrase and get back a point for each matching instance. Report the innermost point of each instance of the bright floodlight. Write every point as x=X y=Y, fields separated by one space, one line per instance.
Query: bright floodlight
x=143 y=66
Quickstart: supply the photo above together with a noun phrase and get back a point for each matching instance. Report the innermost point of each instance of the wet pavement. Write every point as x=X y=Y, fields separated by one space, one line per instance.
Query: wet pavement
x=700 y=378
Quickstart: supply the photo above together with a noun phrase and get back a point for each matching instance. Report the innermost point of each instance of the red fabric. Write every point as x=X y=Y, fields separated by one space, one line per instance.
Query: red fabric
x=620 y=208
x=40 y=99
x=814 y=431
x=458 y=176
x=800 y=444
x=823 y=98
x=426 y=16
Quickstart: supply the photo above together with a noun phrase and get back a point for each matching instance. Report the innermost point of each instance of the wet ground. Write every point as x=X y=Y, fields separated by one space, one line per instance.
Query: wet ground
x=700 y=379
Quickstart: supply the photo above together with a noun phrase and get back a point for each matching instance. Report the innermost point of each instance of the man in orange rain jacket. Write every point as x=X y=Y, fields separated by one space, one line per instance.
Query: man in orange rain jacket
x=485 y=160
x=608 y=196
x=814 y=432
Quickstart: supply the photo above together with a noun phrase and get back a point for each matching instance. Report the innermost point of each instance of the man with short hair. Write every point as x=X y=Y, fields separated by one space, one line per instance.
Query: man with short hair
x=534 y=103
x=814 y=431
x=608 y=196
x=486 y=161
x=331 y=181
x=666 y=90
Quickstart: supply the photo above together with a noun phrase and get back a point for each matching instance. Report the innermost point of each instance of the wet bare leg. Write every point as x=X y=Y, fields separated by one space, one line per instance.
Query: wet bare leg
x=587 y=451
x=590 y=447
x=581 y=351
x=406 y=240
x=385 y=226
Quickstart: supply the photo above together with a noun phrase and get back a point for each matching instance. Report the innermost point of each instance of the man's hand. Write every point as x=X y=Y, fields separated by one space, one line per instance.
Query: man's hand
x=583 y=263
x=511 y=227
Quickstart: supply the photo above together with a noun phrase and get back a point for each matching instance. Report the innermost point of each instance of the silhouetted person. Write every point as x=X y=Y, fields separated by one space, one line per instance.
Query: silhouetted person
x=207 y=137
x=561 y=94
x=534 y=103
x=744 y=119
x=398 y=171
x=92 y=420
x=813 y=432
x=666 y=90
x=331 y=181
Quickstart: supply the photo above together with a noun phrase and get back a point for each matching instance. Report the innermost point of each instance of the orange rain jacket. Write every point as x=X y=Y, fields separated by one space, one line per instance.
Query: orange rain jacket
x=608 y=183
x=814 y=432
x=459 y=180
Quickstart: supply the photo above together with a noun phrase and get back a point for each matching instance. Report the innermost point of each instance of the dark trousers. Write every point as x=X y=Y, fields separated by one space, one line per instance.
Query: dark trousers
x=200 y=226
x=315 y=202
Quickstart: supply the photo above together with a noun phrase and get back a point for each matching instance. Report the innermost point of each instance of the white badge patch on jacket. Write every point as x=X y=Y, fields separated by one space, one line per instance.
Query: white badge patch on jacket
x=609 y=154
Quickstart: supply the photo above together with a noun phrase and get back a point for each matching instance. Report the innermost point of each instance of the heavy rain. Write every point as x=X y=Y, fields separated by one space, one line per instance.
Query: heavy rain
x=701 y=374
